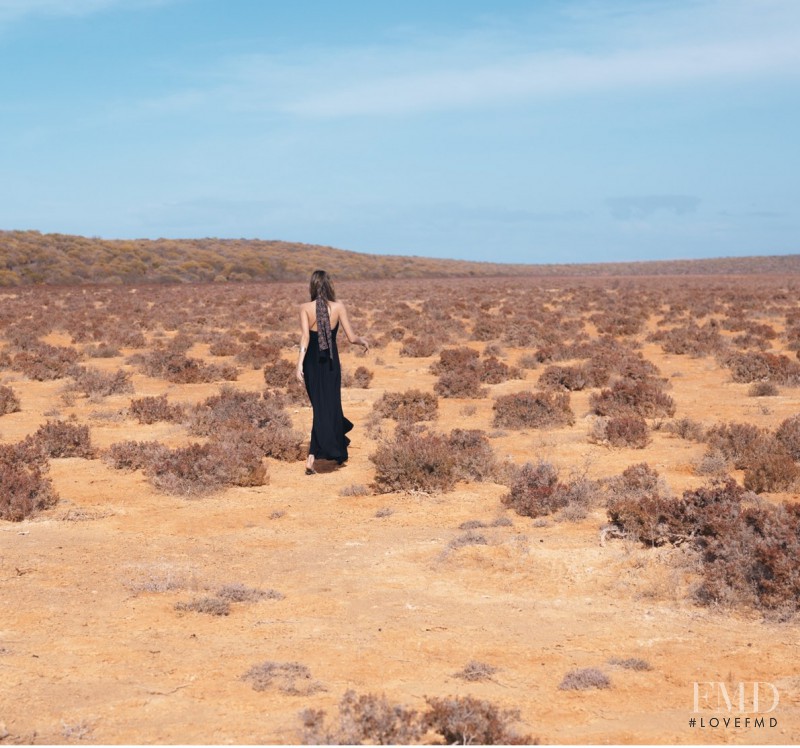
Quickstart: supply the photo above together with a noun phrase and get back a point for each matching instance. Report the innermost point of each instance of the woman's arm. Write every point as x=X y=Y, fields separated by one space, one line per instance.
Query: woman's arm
x=351 y=336
x=304 y=336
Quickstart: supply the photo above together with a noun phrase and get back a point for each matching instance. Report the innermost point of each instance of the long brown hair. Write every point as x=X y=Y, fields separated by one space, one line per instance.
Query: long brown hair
x=321 y=285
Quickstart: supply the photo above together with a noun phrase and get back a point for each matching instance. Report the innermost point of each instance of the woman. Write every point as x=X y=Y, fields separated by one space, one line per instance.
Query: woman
x=318 y=368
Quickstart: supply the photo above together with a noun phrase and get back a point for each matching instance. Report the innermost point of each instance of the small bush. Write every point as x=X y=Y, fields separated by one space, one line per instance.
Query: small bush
x=738 y=442
x=570 y=378
x=133 y=455
x=281 y=373
x=712 y=463
x=239 y=593
x=9 y=402
x=289 y=677
x=473 y=453
x=465 y=720
x=582 y=679
x=44 y=362
x=367 y=719
x=362 y=377
x=460 y=383
x=414 y=462
x=788 y=435
x=419 y=347
x=755 y=366
x=24 y=489
x=153 y=409
x=476 y=671
x=176 y=367
x=762 y=389
x=544 y=409
x=771 y=469
x=686 y=428
x=96 y=383
x=213 y=606
x=409 y=406
x=536 y=490
x=494 y=371
x=630 y=663
x=63 y=439
x=357 y=489
x=627 y=431
x=629 y=397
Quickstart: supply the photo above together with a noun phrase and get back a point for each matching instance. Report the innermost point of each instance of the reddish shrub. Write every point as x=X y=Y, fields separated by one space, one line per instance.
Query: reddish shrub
x=494 y=371
x=536 y=490
x=258 y=354
x=415 y=462
x=465 y=720
x=62 y=439
x=627 y=431
x=410 y=406
x=460 y=383
x=754 y=366
x=737 y=442
x=234 y=409
x=154 y=409
x=564 y=378
x=96 y=383
x=362 y=377
x=133 y=455
x=788 y=434
x=771 y=469
x=455 y=359
x=9 y=402
x=24 y=490
x=422 y=347
x=533 y=410
x=176 y=367
x=628 y=397
x=281 y=373
x=44 y=362
x=474 y=456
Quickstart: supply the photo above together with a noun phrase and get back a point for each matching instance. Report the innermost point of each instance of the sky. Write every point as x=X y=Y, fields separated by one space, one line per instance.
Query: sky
x=507 y=131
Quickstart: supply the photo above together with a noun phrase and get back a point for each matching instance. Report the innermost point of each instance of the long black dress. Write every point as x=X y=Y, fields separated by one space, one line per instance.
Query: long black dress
x=323 y=379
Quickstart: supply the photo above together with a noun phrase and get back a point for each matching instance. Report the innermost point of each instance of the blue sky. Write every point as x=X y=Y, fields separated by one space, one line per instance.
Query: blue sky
x=507 y=131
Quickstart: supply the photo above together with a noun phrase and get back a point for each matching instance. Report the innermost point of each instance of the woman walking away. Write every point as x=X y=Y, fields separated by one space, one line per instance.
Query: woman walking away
x=318 y=368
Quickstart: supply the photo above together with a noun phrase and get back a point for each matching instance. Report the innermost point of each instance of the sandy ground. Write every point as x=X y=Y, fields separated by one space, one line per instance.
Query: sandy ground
x=93 y=650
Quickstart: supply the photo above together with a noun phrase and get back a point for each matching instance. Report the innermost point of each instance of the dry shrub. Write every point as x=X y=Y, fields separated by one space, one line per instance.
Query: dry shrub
x=223 y=346
x=475 y=671
x=762 y=389
x=459 y=371
x=239 y=593
x=44 y=362
x=102 y=350
x=282 y=373
x=627 y=431
x=533 y=410
x=465 y=720
x=494 y=371
x=771 y=469
x=570 y=378
x=133 y=455
x=419 y=347
x=755 y=366
x=750 y=552
x=630 y=397
x=356 y=489
x=415 y=462
x=582 y=679
x=258 y=353
x=212 y=606
x=363 y=719
x=738 y=442
x=536 y=490
x=409 y=406
x=460 y=383
x=62 y=439
x=176 y=367
x=474 y=456
x=362 y=377
x=686 y=428
x=630 y=663
x=468 y=538
x=712 y=463
x=691 y=339
x=9 y=402
x=788 y=435
x=96 y=383
x=153 y=409
x=24 y=489
x=290 y=677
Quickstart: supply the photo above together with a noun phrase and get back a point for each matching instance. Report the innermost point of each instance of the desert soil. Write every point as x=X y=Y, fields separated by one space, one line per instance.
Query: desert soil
x=93 y=650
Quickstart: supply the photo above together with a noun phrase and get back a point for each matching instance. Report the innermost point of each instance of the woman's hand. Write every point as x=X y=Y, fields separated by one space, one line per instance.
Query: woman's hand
x=299 y=375
x=365 y=343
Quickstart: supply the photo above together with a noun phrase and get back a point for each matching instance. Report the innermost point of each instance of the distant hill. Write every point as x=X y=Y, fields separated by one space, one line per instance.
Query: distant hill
x=29 y=257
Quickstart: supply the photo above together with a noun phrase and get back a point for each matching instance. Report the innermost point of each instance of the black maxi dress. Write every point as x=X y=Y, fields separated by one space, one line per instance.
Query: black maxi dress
x=323 y=378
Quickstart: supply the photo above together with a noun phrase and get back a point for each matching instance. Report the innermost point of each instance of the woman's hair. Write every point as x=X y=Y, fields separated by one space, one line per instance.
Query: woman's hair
x=321 y=285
